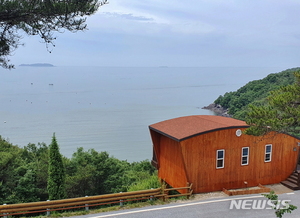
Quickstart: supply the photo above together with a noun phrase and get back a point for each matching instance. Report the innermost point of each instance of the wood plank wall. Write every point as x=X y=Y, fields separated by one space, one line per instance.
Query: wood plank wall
x=199 y=154
x=170 y=160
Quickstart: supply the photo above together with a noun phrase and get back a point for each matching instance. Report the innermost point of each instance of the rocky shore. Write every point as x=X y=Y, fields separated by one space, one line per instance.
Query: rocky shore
x=218 y=109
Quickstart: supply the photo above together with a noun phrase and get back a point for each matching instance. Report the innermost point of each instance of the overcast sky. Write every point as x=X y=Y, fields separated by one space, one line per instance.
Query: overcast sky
x=260 y=33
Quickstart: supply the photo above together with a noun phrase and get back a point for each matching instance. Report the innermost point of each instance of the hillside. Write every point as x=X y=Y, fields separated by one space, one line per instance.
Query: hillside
x=254 y=92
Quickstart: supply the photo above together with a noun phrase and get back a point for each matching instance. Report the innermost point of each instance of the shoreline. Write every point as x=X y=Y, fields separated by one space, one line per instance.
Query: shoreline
x=218 y=110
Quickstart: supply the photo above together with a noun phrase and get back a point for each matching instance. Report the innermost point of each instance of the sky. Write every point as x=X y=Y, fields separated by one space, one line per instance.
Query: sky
x=191 y=33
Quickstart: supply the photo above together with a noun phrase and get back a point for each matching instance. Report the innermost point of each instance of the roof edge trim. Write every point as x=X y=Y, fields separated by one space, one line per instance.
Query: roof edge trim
x=200 y=133
x=162 y=133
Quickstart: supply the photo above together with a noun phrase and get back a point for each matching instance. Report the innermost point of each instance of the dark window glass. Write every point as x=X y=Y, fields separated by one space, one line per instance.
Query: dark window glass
x=244 y=160
x=268 y=157
x=220 y=163
x=220 y=154
x=245 y=151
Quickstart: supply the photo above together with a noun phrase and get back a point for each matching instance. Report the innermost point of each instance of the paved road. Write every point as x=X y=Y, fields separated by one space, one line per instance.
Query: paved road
x=214 y=208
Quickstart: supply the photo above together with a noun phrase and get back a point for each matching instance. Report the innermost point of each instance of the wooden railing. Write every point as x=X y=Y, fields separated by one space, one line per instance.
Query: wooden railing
x=165 y=191
x=87 y=202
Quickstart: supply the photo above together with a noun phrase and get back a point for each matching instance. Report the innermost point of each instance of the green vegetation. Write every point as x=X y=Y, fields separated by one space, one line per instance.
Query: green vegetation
x=24 y=173
x=269 y=104
x=254 y=92
x=279 y=212
x=280 y=114
x=56 y=173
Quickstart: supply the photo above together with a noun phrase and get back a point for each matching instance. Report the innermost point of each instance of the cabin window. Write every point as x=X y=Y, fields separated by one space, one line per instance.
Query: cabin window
x=220 y=158
x=245 y=155
x=268 y=153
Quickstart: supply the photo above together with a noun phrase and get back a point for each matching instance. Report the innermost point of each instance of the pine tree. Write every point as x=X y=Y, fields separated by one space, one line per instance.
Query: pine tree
x=56 y=173
x=282 y=114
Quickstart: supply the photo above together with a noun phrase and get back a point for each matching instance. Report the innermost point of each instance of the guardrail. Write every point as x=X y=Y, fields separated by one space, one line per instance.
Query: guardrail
x=86 y=202
x=165 y=192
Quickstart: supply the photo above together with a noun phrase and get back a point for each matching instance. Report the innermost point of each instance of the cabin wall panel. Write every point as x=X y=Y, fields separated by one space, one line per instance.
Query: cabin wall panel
x=172 y=168
x=199 y=154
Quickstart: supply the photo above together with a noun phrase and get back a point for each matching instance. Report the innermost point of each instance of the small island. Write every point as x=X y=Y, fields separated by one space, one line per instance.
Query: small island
x=37 y=65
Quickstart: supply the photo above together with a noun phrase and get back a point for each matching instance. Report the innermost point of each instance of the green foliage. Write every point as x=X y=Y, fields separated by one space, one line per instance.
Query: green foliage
x=42 y=18
x=24 y=175
x=36 y=159
x=279 y=211
x=147 y=182
x=254 y=92
x=10 y=172
x=93 y=173
x=27 y=189
x=281 y=114
x=56 y=173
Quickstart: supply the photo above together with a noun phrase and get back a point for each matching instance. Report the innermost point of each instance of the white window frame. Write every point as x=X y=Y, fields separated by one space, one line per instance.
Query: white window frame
x=268 y=153
x=223 y=159
x=243 y=156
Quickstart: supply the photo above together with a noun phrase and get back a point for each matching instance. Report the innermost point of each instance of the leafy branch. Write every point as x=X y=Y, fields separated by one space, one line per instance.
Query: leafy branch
x=279 y=211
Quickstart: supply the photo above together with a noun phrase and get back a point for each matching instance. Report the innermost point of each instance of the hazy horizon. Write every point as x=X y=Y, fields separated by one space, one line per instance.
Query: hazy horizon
x=177 y=34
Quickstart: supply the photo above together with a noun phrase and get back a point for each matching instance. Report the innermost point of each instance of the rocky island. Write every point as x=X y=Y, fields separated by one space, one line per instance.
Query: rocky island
x=37 y=65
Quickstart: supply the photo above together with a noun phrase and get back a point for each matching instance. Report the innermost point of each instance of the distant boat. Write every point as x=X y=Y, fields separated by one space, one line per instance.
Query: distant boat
x=163 y=66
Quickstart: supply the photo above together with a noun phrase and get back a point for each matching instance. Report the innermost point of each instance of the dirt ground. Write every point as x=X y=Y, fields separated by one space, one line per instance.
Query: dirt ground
x=277 y=188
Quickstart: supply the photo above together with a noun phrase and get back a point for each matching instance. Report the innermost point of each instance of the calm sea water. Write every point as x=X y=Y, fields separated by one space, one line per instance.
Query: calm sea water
x=108 y=109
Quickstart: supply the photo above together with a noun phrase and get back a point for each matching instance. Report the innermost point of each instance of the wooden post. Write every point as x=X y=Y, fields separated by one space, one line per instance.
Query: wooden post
x=163 y=187
x=188 y=190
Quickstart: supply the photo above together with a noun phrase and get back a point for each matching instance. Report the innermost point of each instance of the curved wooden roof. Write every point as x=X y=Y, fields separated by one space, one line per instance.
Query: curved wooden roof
x=182 y=128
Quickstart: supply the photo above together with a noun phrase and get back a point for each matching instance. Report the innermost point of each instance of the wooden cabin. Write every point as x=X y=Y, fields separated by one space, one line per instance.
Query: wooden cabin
x=213 y=153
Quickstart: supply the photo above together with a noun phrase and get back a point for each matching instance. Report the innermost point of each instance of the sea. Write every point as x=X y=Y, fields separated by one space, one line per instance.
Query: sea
x=108 y=108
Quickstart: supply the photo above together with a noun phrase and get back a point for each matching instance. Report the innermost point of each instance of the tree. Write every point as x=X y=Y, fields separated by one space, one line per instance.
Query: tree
x=254 y=92
x=11 y=170
x=281 y=114
x=36 y=159
x=42 y=18
x=56 y=173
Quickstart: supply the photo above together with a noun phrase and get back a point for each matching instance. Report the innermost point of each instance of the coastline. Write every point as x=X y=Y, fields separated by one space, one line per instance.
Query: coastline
x=218 y=110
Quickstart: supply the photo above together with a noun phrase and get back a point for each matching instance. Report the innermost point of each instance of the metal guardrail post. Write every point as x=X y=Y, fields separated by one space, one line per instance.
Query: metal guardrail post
x=86 y=206
x=151 y=197
x=4 y=213
x=48 y=210
x=121 y=202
